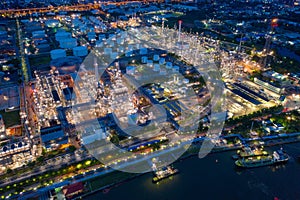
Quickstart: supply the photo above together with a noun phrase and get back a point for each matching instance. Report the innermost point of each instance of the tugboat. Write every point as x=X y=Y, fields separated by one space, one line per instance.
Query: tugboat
x=258 y=161
x=163 y=173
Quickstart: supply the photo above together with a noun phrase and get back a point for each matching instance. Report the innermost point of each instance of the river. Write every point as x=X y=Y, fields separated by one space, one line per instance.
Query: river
x=216 y=177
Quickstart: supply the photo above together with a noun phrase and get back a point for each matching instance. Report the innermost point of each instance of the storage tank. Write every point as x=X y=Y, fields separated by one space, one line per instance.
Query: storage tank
x=120 y=49
x=43 y=48
x=150 y=63
x=101 y=37
x=69 y=43
x=111 y=43
x=156 y=57
x=38 y=34
x=128 y=54
x=80 y=51
x=156 y=67
x=62 y=36
x=144 y=59
x=120 y=41
x=143 y=51
x=58 y=53
x=169 y=65
x=99 y=43
x=162 y=61
x=51 y=23
x=175 y=68
x=91 y=36
x=113 y=55
x=130 y=70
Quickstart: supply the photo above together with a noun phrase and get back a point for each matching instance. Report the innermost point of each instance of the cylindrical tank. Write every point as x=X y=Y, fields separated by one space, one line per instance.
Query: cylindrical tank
x=143 y=51
x=144 y=59
x=162 y=61
x=156 y=57
x=120 y=41
x=80 y=51
x=150 y=63
x=111 y=43
x=130 y=70
x=120 y=49
x=175 y=68
x=99 y=43
x=62 y=36
x=128 y=53
x=169 y=65
x=68 y=43
x=113 y=55
x=58 y=53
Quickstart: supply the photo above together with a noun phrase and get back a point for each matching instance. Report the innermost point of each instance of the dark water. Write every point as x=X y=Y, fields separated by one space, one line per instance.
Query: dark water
x=288 y=53
x=208 y=179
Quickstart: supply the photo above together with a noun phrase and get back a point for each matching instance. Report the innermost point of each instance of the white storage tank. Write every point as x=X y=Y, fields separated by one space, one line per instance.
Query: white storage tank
x=130 y=47
x=144 y=59
x=80 y=51
x=111 y=43
x=120 y=49
x=38 y=34
x=150 y=63
x=51 y=23
x=113 y=55
x=130 y=70
x=62 y=36
x=120 y=41
x=99 y=43
x=169 y=65
x=128 y=54
x=175 y=68
x=58 y=53
x=101 y=37
x=156 y=68
x=143 y=51
x=91 y=35
x=69 y=43
x=162 y=61
x=156 y=57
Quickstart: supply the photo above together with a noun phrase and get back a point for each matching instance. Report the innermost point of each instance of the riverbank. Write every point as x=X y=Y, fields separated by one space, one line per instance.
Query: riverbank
x=216 y=177
x=192 y=152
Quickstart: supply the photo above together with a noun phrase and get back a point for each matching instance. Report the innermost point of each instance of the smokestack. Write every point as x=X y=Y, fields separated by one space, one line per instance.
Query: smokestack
x=96 y=70
x=179 y=30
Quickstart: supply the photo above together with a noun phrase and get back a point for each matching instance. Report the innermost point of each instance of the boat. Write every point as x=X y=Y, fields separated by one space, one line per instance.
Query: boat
x=278 y=156
x=163 y=173
x=249 y=152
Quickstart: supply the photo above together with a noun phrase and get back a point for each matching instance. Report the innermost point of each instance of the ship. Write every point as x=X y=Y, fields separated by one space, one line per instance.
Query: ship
x=278 y=156
x=163 y=173
x=250 y=152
